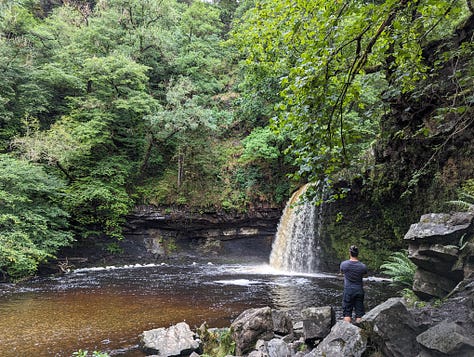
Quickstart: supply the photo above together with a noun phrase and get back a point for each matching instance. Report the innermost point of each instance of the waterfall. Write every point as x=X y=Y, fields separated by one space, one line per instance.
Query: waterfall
x=296 y=245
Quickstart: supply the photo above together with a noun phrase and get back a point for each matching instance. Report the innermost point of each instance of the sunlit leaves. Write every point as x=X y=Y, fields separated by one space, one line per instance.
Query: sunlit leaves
x=321 y=51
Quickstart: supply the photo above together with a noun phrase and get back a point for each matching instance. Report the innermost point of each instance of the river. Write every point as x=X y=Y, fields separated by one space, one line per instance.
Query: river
x=105 y=309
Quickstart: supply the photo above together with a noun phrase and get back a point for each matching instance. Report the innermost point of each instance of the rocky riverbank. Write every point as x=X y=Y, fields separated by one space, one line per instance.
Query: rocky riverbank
x=441 y=247
x=390 y=329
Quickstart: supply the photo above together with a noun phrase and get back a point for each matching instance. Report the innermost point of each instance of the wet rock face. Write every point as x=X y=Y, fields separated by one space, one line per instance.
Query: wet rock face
x=202 y=225
x=438 y=246
x=207 y=232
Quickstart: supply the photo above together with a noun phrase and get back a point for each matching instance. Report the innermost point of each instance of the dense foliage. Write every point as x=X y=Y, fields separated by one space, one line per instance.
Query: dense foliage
x=202 y=104
x=126 y=102
x=33 y=225
x=337 y=64
x=377 y=93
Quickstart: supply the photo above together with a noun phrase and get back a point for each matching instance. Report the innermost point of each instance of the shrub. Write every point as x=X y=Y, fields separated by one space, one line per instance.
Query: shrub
x=216 y=342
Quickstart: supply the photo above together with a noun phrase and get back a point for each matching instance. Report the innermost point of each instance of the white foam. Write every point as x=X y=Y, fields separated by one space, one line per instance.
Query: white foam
x=113 y=267
x=377 y=279
x=266 y=269
x=239 y=282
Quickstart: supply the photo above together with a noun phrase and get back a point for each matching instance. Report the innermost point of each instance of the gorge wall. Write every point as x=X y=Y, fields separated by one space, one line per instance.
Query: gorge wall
x=162 y=230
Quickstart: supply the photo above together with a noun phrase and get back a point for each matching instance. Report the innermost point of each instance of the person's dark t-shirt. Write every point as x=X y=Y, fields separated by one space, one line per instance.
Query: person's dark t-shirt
x=353 y=272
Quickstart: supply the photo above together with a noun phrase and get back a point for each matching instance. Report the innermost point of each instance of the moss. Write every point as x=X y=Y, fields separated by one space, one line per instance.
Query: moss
x=377 y=219
x=364 y=224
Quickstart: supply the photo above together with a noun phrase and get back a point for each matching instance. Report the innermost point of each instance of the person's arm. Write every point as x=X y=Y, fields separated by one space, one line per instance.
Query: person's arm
x=341 y=269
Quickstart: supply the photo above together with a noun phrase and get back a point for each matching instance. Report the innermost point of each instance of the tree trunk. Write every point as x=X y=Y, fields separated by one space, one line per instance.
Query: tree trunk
x=180 y=168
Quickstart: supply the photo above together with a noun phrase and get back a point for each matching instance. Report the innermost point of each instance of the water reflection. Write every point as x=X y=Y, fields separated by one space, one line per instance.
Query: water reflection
x=107 y=309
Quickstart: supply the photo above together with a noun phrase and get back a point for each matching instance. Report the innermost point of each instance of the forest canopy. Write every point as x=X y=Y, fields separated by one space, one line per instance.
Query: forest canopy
x=218 y=104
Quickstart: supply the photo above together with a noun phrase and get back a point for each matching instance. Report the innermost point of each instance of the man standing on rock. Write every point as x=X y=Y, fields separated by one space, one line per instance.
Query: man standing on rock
x=353 y=297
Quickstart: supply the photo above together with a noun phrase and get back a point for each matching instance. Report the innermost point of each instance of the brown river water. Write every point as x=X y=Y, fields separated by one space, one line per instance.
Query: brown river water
x=105 y=309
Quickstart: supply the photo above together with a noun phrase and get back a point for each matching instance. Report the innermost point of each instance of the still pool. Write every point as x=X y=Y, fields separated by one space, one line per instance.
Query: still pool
x=105 y=309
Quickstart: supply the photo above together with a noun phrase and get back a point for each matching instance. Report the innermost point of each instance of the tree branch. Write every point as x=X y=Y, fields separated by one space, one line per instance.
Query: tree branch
x=359 y=62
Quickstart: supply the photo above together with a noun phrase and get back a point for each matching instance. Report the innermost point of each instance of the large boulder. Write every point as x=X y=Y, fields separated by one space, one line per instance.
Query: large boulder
x=250 y=326
x=447 y=339
x=345 y=339
x=449 y=327
x=392 y=328
x=437 y=247
x=173 y=341
x=278 y=348
x=437 y=258
x=443 y=228
x=317 y=322
x=427 y=284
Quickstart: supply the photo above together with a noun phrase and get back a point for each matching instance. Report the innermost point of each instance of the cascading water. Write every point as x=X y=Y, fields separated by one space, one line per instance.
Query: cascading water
x=296 y=246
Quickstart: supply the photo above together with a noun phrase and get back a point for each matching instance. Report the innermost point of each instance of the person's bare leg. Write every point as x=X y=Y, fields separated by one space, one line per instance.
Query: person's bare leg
x=347 y=319
x=358 y=320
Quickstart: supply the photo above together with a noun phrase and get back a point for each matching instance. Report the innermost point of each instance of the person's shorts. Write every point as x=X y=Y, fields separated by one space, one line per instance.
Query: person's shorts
x=353 y=299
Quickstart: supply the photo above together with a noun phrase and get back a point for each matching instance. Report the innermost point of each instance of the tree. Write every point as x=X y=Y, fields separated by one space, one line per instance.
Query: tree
x=20 y=97
x=92 y=126
x=33 y=222
x=327 y=55
x=201 y=57
x=175 y=123
x=100 y=152
x=263 y=166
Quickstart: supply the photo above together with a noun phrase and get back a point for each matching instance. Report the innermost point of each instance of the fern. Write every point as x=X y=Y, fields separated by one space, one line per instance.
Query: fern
x=400 y=269
x=462 y=205
x=466 y=197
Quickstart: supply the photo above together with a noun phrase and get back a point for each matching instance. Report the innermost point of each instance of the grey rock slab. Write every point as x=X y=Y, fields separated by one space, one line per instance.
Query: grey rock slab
x=250 y=326
x=391 y=327
x=317 y=321
x=344 y=340
x=448 y=338
x=444 y=228
x=172 y=341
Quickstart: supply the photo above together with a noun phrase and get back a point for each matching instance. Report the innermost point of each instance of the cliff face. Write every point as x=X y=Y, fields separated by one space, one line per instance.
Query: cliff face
x=426 y=142
x=185 y=224
x=165 y=231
